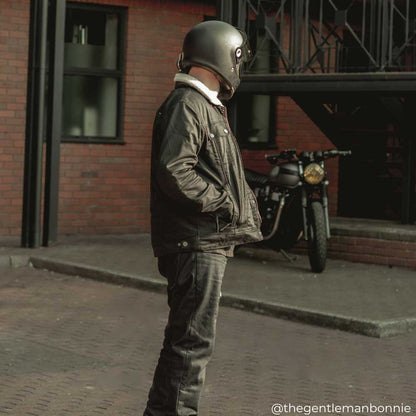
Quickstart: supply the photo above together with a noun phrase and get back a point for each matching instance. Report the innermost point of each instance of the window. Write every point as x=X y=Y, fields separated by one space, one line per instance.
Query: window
x=93 y=73
x=254 y=120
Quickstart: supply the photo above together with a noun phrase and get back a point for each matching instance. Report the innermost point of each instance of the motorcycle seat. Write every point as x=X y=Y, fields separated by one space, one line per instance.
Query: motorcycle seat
x=255 y=178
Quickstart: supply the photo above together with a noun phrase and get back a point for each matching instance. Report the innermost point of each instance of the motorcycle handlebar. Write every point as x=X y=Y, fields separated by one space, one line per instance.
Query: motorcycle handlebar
x=335 y=153
x=317 y=155
x=285 y=155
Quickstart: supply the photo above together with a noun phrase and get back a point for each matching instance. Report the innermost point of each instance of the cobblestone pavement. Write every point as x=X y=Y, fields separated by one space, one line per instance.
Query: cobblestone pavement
x=70 y=346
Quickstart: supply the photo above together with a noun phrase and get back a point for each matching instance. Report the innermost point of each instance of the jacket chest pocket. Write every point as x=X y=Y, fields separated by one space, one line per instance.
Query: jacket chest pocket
x=218 y=137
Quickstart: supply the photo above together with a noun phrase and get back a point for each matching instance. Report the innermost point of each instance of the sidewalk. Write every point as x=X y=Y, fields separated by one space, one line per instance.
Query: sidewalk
x=371 y=300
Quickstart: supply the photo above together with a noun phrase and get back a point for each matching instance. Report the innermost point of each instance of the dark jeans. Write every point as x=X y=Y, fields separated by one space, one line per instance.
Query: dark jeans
x=194 y=287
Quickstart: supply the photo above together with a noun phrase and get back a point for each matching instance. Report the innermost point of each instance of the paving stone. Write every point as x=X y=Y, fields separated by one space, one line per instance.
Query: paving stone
x=72 y=346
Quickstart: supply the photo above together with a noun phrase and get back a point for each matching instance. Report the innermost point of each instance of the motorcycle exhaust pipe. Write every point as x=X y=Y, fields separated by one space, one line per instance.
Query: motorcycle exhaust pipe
x=276 y=221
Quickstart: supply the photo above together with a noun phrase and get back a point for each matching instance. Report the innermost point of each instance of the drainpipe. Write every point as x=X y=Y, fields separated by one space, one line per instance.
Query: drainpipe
x=32 y=187
x=224 y=10
x=260 y=115
x=53 y=133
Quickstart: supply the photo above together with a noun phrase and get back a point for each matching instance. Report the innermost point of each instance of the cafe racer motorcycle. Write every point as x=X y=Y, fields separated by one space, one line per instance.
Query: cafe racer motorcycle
x=293 y=202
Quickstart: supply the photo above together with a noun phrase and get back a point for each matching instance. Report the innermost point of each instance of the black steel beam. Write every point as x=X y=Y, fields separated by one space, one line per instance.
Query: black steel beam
x=53 y=134
x=32 y=186
x=330 y=84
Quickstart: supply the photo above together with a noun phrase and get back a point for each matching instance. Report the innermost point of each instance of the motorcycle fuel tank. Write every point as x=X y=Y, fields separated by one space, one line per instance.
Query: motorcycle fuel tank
x=286 y=174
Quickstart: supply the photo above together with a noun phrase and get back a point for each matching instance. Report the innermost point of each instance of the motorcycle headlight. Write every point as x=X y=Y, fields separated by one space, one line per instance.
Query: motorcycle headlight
x=313 y=174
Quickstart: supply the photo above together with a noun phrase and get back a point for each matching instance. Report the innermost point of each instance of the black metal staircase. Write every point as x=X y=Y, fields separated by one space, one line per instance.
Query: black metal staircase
x=351 y=66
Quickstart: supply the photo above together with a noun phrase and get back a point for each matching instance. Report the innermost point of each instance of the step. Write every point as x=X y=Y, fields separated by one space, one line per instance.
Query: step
x=371 y=241
x=369 y=228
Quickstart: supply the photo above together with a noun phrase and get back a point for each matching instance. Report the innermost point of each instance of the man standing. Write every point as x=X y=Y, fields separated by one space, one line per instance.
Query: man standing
x=201 y=208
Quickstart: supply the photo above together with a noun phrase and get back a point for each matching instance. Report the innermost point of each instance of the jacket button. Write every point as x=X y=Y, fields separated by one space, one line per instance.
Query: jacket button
x=184 y=244
x=226 y=131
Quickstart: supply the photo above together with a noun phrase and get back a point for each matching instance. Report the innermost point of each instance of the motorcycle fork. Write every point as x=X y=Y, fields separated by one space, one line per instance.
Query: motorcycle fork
x=324 y=192
x=305 y=213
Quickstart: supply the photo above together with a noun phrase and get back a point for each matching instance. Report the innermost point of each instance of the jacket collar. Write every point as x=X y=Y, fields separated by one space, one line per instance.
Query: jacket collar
x=212 y=96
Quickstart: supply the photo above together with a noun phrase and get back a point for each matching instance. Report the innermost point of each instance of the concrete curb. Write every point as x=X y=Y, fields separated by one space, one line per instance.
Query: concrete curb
x=378 y=329
x=95 y=273
x=11 y=260
x=372 y=328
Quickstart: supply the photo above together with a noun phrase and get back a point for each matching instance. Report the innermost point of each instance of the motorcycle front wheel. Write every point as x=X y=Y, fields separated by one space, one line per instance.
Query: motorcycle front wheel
x=317 y=242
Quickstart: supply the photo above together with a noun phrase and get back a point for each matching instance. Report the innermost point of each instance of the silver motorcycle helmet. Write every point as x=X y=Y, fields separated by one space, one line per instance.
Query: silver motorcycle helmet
x=219 y=47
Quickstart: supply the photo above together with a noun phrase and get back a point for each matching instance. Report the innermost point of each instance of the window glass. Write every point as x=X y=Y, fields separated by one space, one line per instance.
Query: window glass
x=91 y=39
x=93 y=73
x=90 y=106
x=255 y=119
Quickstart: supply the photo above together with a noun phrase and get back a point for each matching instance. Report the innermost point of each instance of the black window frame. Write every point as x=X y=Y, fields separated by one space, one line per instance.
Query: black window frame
x=118 y=73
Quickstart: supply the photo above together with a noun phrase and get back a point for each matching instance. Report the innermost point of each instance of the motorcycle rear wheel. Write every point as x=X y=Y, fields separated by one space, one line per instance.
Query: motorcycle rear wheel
x=317 y=241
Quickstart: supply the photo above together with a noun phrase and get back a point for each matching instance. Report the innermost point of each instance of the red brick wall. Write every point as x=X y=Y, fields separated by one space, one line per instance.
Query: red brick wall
x=375 y=251
x=14 y=29
x=105 y=188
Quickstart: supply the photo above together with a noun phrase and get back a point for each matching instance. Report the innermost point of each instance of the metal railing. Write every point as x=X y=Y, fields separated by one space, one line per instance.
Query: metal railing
x=329 y=36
